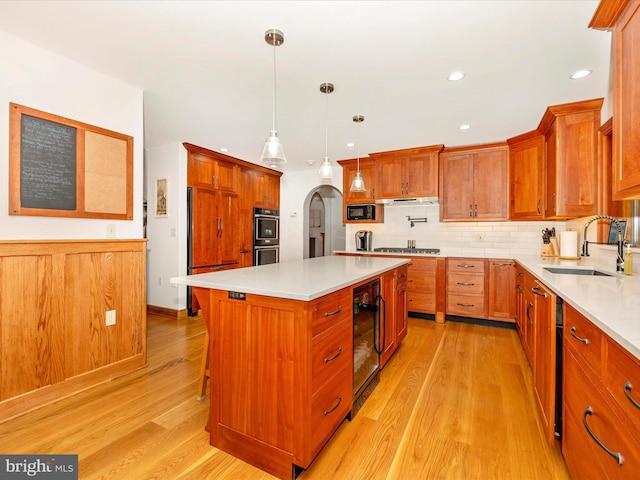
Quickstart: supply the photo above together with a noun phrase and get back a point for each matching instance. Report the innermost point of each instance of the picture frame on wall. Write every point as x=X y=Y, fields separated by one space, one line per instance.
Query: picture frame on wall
x=162 y=194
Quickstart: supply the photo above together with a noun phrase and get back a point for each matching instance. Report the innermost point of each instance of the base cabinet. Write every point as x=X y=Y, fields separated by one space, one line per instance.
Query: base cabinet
x=601 y=420
x=466 y=287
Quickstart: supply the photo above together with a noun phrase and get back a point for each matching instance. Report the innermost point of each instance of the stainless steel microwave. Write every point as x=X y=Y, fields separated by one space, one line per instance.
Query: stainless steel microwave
x=361 y=212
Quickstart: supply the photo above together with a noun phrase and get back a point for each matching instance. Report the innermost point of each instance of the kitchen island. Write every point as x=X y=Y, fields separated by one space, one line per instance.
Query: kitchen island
x=281 y=353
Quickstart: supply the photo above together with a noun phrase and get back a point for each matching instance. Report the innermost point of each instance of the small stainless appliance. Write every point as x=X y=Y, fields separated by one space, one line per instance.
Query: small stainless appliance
x=266 y=244
x=361 y=212
x=364 y=240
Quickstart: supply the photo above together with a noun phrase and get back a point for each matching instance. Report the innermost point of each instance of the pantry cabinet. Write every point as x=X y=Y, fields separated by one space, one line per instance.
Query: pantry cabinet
x=526 y=176
x=571 y=133
x=408 y=173
x=623 y=18
x=474 y=183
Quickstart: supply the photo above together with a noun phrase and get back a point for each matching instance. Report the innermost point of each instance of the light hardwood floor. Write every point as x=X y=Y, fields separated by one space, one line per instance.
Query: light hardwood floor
x=455 y=402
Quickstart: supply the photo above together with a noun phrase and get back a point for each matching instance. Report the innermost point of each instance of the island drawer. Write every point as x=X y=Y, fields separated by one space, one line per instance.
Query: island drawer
x=329 y=406
x=421 y=302
x=465 y=265
x=465 y=283
x=331 y=310
x=622 y=379
x=331 y=351
x=584 y=338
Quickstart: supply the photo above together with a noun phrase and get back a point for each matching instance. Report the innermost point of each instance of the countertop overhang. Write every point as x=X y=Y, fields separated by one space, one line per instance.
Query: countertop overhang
x=305 y=280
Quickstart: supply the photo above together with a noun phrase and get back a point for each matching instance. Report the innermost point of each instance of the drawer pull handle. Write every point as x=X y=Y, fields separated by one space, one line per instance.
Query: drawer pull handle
x=529 y=307
x=503 y=264
x=466 y=266
x=616 y=455
x=627 y=389
x=466 y=284
x=335 y=312
x=327 y=412
x=573 y=334
x=465 y=304
x=329 y=359
x=535 y=290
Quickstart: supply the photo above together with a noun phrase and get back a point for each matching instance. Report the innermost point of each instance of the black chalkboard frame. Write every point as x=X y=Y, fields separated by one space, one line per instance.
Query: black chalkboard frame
x=58 y=180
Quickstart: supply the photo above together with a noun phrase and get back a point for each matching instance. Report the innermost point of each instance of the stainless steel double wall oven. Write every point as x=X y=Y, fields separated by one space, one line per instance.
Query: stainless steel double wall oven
x=266 y=236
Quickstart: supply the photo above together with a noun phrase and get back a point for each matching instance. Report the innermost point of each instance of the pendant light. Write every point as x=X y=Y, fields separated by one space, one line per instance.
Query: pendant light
x=326 y=170
x=273 y=153
x=357 y=185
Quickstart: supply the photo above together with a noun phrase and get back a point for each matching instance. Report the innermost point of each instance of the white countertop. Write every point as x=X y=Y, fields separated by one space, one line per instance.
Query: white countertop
x=611 y=303
x=295 y=279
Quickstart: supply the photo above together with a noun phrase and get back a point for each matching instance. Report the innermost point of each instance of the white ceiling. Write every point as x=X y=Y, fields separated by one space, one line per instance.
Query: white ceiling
x=207 y=72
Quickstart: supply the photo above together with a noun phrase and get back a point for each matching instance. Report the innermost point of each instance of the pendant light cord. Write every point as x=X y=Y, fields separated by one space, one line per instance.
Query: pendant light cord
x=326 y=125
x=274 y=78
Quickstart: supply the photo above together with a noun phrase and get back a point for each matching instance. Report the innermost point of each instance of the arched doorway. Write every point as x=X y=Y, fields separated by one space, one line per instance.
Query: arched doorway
x=323 y=227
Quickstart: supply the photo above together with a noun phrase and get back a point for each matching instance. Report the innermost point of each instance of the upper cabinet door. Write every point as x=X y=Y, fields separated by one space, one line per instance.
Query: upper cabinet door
x=456 y=202
x=369 y=173
x=490 y=184
x=408 y=173
x=526 y=176
x=571 y=141
x=626 y=107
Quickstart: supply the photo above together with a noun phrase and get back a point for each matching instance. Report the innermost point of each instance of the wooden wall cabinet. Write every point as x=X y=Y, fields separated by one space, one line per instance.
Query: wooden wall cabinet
x=623 y=18
x=266 y=190
x=526 y=176
x=474 y=183
x=408 y=173
x=571 y=144
x=208 y=172
x=369 y=173
x=54 y=296
x=502 y=279
x=600 y=399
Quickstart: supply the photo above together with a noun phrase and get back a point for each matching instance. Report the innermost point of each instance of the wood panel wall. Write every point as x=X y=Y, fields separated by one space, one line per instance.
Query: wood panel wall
x=54 y=296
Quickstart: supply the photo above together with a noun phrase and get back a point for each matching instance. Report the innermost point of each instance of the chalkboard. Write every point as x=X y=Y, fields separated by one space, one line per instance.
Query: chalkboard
x=47 y=164
x=60 y=167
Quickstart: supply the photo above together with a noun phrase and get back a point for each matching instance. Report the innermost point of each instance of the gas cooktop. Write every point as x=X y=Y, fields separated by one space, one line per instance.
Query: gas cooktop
x=432 y=251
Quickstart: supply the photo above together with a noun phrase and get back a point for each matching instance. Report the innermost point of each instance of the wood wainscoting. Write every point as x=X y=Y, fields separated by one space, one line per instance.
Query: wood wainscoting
x=54 y=295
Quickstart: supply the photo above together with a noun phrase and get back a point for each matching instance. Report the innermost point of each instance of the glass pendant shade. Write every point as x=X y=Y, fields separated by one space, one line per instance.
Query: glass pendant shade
x=273 y=152
x=326 y=170
x=357 y=185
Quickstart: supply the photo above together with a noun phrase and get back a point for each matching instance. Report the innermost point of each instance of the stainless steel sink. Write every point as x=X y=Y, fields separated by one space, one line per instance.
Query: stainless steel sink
x=577 y=271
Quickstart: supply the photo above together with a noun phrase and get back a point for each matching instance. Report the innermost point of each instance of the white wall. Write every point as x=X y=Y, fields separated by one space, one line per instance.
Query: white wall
x=294 y=189
x=167 y=236
x=37 y=78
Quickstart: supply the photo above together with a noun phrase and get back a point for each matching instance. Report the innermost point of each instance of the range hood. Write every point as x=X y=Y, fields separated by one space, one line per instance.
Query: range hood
x=409 y=201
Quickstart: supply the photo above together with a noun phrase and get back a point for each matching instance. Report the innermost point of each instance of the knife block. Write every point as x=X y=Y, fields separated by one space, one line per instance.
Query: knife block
x=550 y=249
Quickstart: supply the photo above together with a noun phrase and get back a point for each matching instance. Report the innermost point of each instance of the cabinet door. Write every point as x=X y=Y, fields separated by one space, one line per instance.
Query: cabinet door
x=228 y=236
x=502 y=280
x=545 y=358
x=200 y=171
x=626 y=108
x=205 y=227
x=388 y=316
x=400 y=301
x=421 y=175
x=226 y=176
x=369 y=173
x=490 y=184
x=526 y=178
x=457 y=186
x=391 y=182
x=267 y=190
x=244 y=218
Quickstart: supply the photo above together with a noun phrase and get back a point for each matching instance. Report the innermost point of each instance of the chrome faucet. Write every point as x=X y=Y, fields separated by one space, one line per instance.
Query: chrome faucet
x=619 y=240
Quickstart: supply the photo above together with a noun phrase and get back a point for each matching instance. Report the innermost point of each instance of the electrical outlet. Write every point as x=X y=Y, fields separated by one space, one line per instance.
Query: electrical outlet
x=111 y=230
x=480 y=236
x=111 y=317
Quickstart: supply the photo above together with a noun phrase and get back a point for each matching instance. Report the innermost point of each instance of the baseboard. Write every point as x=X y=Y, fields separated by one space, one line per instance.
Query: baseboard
x=166 y=312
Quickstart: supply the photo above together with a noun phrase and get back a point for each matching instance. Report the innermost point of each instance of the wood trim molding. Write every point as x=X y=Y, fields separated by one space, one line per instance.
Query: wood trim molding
x=167 y=312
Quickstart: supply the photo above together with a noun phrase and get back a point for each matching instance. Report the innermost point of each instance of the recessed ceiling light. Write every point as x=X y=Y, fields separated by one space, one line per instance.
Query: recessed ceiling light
x=580 y=74
x=224 y=150
x=465 y=126
x=455 y=76
x=351 y=144
x=311 y=162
